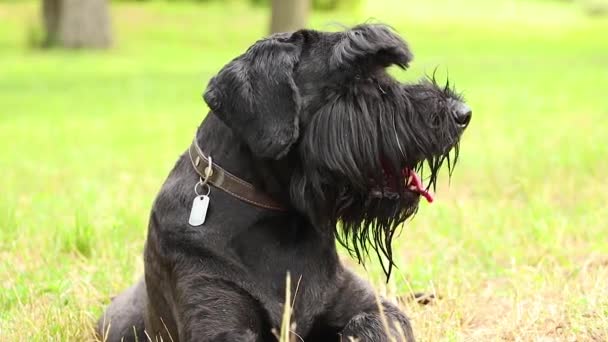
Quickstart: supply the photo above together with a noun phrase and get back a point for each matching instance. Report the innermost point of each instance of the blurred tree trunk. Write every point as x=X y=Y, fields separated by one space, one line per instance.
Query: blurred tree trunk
x=76 y=23
x=289 y=15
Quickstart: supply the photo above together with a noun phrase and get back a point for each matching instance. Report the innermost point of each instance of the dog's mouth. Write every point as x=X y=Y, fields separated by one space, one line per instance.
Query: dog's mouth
x=408 y=179
x=413 y=183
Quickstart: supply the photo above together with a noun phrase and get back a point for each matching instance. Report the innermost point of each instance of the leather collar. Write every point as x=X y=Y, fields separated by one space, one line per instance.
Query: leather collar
x=230 y=183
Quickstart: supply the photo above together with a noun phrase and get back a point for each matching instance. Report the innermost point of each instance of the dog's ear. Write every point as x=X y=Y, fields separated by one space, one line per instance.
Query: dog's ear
x=256 y=96
x=370 y=46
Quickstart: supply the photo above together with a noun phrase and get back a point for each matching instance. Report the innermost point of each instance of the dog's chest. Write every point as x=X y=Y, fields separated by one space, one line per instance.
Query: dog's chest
x=311 y=264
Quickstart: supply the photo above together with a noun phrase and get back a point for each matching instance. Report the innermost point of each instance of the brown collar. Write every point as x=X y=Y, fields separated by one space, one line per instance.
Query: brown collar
x=230 y=183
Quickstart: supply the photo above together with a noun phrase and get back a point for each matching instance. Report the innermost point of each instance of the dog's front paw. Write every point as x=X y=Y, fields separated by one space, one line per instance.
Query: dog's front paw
x=369 y=327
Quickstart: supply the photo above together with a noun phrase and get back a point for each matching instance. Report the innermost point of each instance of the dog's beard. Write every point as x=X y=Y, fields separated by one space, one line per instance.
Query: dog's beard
x=359 y=152
x=372 y=223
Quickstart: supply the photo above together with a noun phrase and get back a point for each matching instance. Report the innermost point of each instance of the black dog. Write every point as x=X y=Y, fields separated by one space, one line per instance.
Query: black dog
x=324 y=145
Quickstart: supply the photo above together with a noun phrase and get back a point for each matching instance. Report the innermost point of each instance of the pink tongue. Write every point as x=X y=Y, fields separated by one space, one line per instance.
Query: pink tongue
x=416 y=185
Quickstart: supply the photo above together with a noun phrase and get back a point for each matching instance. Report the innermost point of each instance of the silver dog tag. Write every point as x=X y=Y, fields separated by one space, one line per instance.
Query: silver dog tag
x=199 y=210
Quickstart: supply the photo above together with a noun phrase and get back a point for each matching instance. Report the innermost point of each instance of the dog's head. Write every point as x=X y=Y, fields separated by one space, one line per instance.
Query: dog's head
x=352 y=139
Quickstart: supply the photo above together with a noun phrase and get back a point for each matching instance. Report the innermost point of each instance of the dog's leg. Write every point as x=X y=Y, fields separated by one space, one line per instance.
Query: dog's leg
x=356 y=309
x=124 y=317
x=218 y=311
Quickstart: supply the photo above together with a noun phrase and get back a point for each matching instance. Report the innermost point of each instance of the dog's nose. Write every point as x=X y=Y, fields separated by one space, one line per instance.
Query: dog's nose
x=462 y=114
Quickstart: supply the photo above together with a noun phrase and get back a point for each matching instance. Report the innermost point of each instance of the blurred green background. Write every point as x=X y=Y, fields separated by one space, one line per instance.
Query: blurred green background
x=516 y=245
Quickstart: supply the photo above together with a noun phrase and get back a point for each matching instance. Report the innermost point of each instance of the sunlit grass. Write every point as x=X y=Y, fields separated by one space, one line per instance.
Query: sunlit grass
x=516 y=247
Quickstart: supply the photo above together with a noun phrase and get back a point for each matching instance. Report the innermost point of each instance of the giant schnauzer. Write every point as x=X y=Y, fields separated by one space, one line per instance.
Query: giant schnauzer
x=309 y=140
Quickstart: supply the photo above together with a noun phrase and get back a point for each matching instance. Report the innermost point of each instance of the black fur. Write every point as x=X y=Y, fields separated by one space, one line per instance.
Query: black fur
x=313 y=119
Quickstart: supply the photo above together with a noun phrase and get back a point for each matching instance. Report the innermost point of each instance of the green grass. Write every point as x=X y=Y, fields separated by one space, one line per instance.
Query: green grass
x=516 y=246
